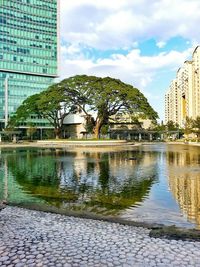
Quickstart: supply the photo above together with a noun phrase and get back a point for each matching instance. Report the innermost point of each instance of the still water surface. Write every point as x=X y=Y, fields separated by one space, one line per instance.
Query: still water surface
x=152 y=183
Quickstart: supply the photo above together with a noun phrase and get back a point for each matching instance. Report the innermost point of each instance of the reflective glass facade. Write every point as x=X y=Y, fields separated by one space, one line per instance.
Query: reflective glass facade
x=28 y=49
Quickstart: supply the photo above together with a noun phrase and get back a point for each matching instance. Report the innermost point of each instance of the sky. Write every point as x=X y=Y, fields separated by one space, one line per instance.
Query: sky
x=141 y=42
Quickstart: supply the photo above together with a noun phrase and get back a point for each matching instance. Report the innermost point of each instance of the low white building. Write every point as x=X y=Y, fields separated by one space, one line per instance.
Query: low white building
x=74 y=126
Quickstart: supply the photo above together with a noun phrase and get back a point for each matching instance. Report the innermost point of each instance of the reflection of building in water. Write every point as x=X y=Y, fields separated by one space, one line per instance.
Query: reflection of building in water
x=184 y=182
x=80 y=164
x=132 y=158
x=10 y=190
x=3 y=180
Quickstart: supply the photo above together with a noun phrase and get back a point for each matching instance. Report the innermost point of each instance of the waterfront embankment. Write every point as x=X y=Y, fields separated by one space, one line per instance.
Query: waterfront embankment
x=90 y=143
x=183 y=143
x=71 y=144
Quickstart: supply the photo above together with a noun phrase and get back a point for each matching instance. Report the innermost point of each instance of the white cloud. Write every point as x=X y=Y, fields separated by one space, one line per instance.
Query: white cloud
x=132 y=68
x=161 y=44
x=122 y=24
x=118 y=24
x=115 y=23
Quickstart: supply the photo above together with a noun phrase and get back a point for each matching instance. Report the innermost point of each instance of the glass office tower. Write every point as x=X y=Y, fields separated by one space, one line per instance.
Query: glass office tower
x=28 y=50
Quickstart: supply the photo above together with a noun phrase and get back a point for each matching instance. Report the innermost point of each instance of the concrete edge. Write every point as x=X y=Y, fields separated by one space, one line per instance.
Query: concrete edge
x=61 y=144
x=156 y=230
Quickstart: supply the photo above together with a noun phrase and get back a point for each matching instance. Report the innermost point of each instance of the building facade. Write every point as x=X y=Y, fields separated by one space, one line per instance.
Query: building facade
x=29 y=51
x=171 y=100
x=196 y=80
x=185 y=90
x=183 y=100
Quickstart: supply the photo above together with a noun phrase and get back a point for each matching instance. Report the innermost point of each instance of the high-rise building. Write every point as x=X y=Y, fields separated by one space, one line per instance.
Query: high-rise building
x=29 y=50
x=187 y=91
x=167 y=107
x=196 y=80
x=184 y=80
x=171 y=101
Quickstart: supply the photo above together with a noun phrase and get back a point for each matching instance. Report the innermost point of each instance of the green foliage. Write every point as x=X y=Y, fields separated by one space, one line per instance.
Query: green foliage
x=104 y=129
x=48 y=134
x=196 y=122
x=188 y=128
x=31 y=130
x=105 y=96
x=48 y=104
x=172 y=126
x=159 y=127
x=89 y=94
x=28 y=107
x=89 y=125
x=196 y=126
x=136 y=122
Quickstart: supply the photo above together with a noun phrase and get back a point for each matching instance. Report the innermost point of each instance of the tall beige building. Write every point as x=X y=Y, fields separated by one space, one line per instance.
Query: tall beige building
x=183 y=100
x=184 y=79
x=196 y=80
x=171 y=100
x=167 y=107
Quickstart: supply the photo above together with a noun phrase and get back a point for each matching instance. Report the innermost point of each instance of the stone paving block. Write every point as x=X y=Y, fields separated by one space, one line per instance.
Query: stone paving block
x=38 y=239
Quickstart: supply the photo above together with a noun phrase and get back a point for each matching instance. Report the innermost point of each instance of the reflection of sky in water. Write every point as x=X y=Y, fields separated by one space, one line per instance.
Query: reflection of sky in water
x=155 y=183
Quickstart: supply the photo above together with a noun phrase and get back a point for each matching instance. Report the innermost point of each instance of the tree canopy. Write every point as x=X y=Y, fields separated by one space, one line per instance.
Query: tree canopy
x=97 y=98
x=172 y=126
x=48 y=104
x=196 y=126
x=105 y=97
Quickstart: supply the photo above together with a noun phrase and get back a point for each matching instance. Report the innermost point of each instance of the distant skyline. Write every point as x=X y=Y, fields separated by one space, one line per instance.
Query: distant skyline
x=141 y=42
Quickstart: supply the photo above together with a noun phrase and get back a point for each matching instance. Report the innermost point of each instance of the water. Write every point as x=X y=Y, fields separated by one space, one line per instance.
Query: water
x=153 y=183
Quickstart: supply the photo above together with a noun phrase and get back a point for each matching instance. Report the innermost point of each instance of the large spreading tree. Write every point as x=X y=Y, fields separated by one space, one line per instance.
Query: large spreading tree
x=101 y=98
x=97 y=98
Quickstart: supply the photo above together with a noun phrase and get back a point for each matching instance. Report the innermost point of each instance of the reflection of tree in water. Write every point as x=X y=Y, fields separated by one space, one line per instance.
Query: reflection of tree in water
x=92 y=181
x=114 y=195
x=38 y=173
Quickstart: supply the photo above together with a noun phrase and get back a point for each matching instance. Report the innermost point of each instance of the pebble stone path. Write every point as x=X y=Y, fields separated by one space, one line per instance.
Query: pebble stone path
x=34 y=238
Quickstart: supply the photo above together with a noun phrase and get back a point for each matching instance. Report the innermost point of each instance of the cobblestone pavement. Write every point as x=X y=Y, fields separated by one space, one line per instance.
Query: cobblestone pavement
x=33 y=238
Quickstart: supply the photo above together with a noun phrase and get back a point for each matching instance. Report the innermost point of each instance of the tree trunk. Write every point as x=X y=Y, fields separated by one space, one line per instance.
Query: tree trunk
x=97 y=129
x=57 y=132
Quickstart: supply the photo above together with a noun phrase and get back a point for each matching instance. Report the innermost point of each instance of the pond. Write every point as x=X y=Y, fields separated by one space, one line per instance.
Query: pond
x=151 y=183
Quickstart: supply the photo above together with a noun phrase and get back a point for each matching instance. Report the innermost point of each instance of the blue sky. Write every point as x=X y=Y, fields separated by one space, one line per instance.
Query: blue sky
x=141 y=42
